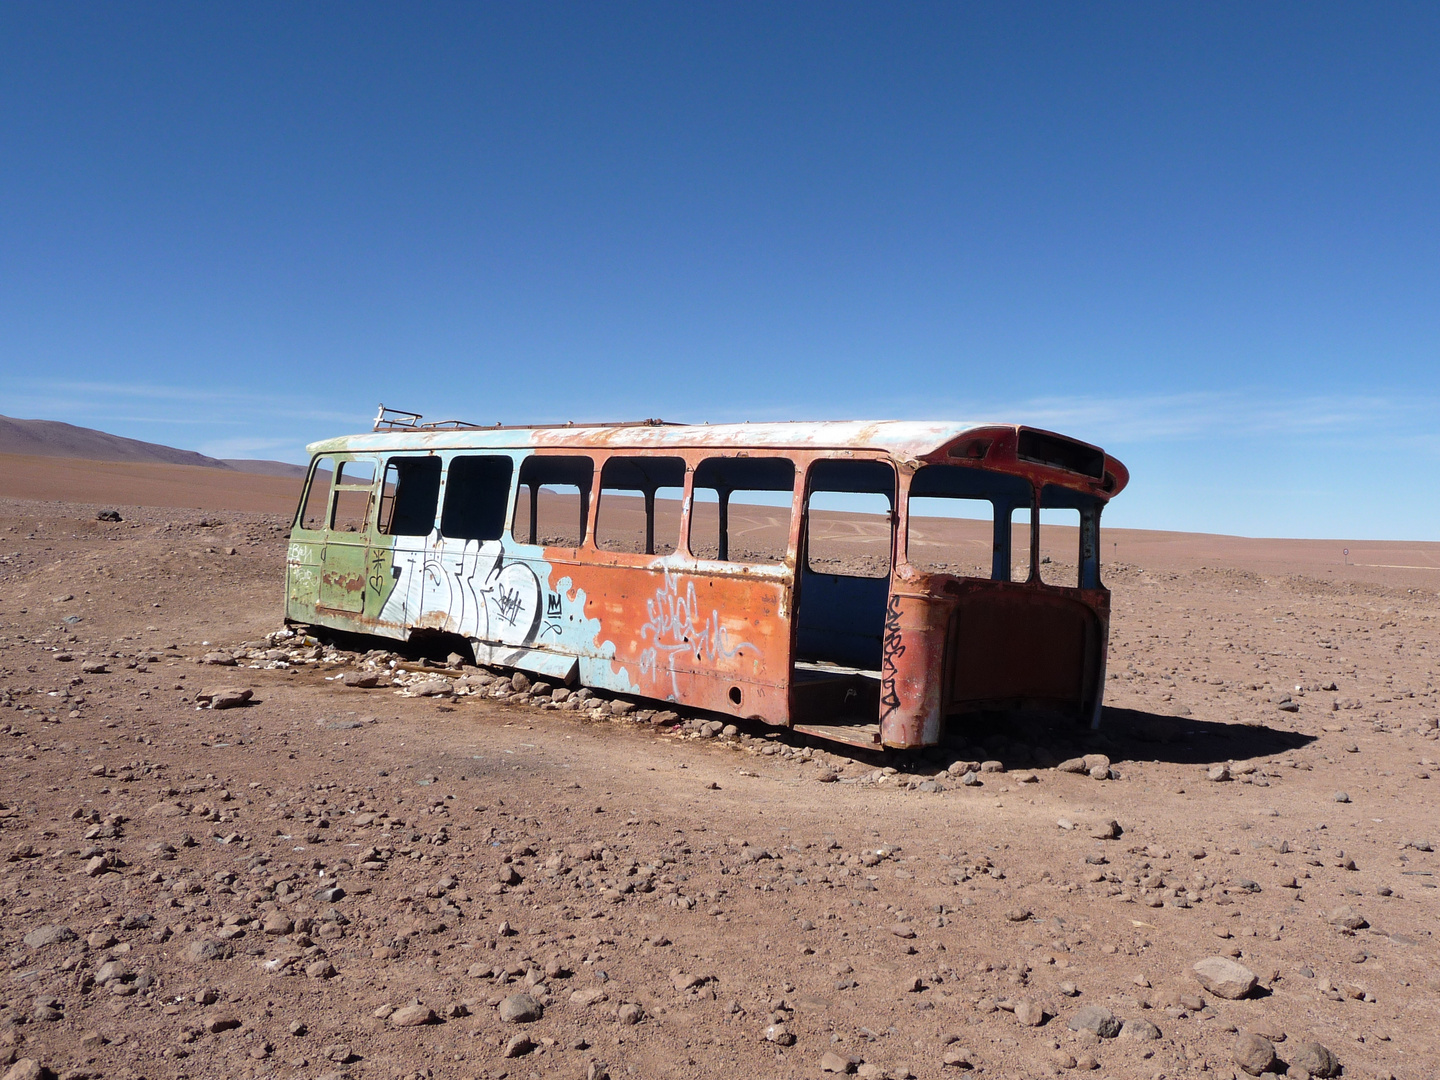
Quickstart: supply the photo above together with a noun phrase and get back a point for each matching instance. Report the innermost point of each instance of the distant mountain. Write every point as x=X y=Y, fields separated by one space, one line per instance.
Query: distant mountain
x=267 y=468
x=51 y=438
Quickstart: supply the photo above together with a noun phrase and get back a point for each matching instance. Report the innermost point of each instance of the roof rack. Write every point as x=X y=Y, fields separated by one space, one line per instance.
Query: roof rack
x=388 y=419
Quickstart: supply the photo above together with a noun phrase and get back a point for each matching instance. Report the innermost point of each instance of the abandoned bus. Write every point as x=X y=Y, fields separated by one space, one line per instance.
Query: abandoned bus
x=858 y=581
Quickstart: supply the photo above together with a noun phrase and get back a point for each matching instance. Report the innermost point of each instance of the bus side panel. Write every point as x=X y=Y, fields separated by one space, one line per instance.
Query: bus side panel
x=302 y=577
x=701 y=640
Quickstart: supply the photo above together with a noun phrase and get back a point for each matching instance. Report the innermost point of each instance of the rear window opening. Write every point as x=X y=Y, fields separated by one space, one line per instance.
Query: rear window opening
x=953 y=536
x=1059 y=543
x=968 y=522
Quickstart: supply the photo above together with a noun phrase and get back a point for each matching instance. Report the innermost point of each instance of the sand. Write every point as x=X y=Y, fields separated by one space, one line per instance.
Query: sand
x=683 y=905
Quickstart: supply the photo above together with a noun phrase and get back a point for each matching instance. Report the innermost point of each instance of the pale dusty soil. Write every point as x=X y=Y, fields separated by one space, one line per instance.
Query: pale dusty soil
x=648 y=858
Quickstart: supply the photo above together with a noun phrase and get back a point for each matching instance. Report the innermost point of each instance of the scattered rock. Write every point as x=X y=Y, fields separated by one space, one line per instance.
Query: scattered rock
x=27 y=1069
x=1108 y=829
x=1139 y=1030
x=520 y=1009
x=108 y=515
x=1315 y=1059
x=412 y=1016
x=203 y=950
x=1095 y=1019
x=519 y=1046
x=780 y=1035
x=832 y=1062
x=958 y=1057
x=1341 y=797
x=1253 y=1053
x=1218 y=773
x=42 y=936
x=218 y=659
x=363 y=680
x=1029 y=1014
x=1348 y=918
x=1225 y=977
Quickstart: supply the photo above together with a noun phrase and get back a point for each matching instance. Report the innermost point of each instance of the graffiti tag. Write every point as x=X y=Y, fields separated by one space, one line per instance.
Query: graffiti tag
x=671 y=629
x=892 y=648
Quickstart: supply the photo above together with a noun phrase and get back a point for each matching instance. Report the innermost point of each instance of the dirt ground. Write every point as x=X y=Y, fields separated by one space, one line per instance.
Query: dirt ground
x=339 y=881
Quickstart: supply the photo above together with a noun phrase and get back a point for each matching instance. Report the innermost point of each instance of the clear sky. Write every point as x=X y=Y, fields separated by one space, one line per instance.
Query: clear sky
x=1205 y=236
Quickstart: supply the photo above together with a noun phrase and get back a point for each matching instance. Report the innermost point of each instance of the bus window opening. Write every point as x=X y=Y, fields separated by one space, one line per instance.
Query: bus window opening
x=554 y=501
x=741 y=509
x=409 y=496
x=640 y=503
x=969 y=523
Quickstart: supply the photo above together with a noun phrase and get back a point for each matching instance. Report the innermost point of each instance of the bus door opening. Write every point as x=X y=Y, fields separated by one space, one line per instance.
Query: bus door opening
x=843 y=588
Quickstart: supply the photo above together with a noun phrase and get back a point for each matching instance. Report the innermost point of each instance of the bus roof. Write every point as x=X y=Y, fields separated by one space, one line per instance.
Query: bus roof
x=906 y=440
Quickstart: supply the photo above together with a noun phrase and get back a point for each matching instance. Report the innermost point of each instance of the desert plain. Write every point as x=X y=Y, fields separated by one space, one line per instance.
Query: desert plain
x=446 y=874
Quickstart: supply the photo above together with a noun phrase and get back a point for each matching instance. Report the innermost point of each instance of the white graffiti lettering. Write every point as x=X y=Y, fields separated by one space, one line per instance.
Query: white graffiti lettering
x=670 y=629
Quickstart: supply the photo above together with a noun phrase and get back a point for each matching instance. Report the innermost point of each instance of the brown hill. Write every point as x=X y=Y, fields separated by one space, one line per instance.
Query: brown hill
x=51 y=438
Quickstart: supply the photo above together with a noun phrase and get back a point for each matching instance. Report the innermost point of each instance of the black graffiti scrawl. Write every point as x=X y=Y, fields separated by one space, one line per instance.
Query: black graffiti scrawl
x=892 y=648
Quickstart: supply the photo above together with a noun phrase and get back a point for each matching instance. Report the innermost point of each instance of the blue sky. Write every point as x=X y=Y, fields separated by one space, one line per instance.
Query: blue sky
x=1206 y=237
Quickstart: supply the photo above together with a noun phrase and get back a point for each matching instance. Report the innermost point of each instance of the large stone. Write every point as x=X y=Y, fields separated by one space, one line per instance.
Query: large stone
x=27 y=1069
x=1348 y=918
x=48 y=935
x=958 y=1057
x=1224 y=977
x=203 y=950
x=520 y=1009
x=1029 y=1014
x=230 y=697
x=1096 y=1020
x=1253 y=1053
x=1139 y=1030
x=412 y=1016
x=832 y=1062
x=1315 y=1059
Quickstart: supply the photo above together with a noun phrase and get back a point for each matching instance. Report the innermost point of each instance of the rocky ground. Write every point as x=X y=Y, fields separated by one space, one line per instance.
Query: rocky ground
x=375 y=865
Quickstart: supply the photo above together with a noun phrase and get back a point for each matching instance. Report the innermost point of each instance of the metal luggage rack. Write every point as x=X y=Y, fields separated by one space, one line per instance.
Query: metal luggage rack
x=388 y=419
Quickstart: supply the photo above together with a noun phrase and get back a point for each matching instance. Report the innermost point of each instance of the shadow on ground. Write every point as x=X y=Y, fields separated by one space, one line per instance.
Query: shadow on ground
x=1028 y=741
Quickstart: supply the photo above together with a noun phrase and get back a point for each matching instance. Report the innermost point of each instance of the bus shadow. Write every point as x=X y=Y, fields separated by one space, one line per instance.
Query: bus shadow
x=1183 y=740
x=1027 y=741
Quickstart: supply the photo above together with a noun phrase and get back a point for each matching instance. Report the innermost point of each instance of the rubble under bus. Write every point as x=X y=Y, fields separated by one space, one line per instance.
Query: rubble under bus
x=858 y=581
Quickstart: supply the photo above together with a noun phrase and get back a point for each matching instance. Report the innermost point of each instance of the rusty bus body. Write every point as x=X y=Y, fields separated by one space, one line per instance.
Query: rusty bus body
x=417 y=528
